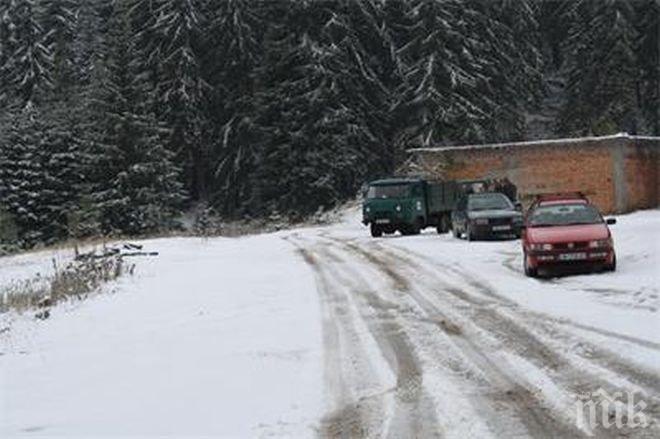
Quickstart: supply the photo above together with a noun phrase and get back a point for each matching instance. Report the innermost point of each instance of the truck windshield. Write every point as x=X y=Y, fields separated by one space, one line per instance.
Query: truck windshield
x=564 y=214
x=388 y=191
x=489 y=202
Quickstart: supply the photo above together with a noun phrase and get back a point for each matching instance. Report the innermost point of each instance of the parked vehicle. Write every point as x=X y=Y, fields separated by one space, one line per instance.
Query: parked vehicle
x=564 y=231
x=486 y=215
x=408 y=205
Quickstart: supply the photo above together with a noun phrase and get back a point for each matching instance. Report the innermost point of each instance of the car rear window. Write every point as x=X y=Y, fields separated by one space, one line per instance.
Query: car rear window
x=564 y=214
x=489 y=202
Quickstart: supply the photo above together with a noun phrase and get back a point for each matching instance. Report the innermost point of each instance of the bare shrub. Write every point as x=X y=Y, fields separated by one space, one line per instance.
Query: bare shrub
x=82 y=277
x=77 y=279
x=25 y=295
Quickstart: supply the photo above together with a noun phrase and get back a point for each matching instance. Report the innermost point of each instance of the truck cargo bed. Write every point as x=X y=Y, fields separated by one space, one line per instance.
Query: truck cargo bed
x=441 y=196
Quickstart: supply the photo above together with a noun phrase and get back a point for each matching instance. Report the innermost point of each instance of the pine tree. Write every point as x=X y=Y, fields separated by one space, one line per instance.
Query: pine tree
x=234 y=50
x=555 y=20
x=439 y=94
x=397 y=28
x=134 y=181
x=602 y=69
x=471 y=69
x=60 y=26
x=365 y=68
x=41 y=173
x=28 y=65
x=5 y=48
x=306 y=121
x=62 y=167
x=22 y=180
x=143 y=17
x=181 y=89
x=512 y=63
x=648 y=56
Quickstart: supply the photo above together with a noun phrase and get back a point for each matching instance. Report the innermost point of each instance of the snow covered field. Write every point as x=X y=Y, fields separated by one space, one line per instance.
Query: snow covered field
x=325 y=331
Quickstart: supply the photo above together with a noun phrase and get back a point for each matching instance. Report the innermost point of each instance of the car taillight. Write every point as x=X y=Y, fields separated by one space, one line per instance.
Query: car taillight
x=601 y=243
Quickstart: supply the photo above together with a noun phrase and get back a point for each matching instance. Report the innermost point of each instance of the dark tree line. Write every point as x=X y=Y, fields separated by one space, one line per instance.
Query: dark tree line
x=117 y=115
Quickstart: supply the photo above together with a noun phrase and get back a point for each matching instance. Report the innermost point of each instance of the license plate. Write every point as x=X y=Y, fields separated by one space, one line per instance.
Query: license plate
x=499 y=228
x=572 y=256
x=383 y=221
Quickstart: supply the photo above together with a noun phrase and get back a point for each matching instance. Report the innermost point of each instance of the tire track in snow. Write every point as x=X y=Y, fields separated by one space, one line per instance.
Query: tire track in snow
x=505 y=389
x=517 y=334
x=349 y=416
x=413 y=416
x=498 y=316
x=637 y=373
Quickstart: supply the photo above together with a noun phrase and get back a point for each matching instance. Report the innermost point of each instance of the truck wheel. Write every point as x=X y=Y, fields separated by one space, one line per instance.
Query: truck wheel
x=529 y=271
x=416 y=227
x=444 y=225
x=376 y=232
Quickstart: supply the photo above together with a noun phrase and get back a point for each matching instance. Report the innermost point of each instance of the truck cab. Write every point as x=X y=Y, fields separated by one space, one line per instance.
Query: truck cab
x=394 y=204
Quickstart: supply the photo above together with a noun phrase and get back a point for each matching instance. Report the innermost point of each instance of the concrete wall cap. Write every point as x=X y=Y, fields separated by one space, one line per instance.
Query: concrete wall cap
x=548 y=142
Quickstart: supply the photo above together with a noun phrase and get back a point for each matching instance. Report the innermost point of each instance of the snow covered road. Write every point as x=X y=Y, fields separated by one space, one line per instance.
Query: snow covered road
x=327 y=332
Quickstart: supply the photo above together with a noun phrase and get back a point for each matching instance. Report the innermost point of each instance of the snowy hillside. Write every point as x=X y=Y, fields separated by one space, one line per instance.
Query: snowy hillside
x=326 y=331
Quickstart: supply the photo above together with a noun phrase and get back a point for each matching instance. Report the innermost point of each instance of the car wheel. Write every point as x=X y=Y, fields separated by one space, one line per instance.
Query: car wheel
x=376 y=232
x=469 y=234
x=612 y=266
x=529 y=271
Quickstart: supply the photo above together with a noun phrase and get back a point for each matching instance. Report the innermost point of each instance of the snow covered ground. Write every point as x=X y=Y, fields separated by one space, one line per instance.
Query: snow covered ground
x=324 y=331
x=216 y=337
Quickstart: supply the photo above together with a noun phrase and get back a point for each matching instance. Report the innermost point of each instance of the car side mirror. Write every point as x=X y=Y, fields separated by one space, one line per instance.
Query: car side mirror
x=518 y=206
x=610 y=221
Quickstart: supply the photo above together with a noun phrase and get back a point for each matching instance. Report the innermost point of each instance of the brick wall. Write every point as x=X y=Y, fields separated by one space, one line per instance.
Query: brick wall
x=618 y=173
x=641 y=170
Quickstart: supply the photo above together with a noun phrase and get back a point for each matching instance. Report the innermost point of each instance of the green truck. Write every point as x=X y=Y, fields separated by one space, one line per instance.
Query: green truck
x=408 y=205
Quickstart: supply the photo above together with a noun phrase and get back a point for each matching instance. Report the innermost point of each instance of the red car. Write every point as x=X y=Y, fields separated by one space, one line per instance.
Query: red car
x=566 y=231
